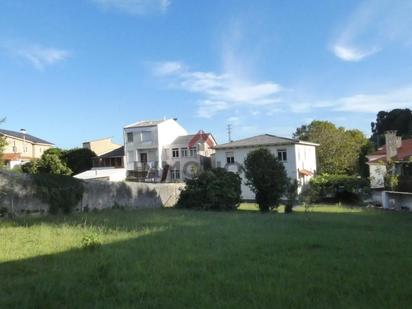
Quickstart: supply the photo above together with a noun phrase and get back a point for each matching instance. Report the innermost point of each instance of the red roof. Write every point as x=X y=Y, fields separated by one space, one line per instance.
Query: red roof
x=404 y=152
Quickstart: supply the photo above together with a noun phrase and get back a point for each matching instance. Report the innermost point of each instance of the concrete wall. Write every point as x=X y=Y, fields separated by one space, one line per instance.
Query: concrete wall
x=396 y=200
x=17 y=191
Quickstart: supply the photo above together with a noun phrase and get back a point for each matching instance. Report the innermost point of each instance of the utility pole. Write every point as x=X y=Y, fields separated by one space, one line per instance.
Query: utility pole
x=229 y=132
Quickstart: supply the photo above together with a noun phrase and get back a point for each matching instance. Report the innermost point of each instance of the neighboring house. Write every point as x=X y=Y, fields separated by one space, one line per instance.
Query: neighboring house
x=101 y=146
x=144 y=143
x=188 y=154
x=22 y=147
x=109 y=166
x=298 y=157
x=399 y=153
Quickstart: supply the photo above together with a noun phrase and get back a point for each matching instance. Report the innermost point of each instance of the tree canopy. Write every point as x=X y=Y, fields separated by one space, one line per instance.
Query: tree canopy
x=78 y=159
x=341 y=151
x=396 y=119
x=266 y=176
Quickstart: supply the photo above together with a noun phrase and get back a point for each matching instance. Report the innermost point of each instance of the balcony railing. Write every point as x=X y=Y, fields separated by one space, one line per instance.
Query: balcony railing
x=145 y=166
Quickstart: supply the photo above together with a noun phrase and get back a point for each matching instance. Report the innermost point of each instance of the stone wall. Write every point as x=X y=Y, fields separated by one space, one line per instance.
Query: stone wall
x=17 y=193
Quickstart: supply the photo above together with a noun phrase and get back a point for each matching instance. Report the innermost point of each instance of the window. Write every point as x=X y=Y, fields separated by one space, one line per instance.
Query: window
x=282 y=155
x=146 y=136
x=230 y=158
x=175 y=152
x=130 y=137
x=193 y=151
x=185 y=152
x=175 y=174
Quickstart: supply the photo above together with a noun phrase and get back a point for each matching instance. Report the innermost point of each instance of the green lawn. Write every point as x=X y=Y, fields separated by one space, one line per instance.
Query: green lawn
x=332 y=257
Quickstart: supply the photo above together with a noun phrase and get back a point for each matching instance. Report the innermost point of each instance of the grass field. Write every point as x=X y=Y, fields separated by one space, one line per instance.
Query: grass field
x=332 y=257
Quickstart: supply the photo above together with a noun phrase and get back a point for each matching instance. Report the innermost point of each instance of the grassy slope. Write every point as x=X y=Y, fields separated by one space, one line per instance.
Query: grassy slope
x=178 y=258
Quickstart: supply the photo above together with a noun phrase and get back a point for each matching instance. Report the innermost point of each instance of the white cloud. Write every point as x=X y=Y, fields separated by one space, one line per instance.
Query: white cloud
x=219 y=91
x=167 y=68
x=372 y=103
x=135 y=7
x=352 y=54
x=373 y=25
x=40 y=56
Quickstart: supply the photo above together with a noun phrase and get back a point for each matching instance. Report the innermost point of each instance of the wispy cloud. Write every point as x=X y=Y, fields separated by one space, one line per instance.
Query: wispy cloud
x=372 y=103
x=219 y=92
x=135 y=7
x=372 y=25
x=39 y=56
x=347 y=53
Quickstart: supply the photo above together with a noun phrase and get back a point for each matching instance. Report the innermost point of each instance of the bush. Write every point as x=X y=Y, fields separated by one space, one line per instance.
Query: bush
x=292 y=195
x=214 y=189
x=336 y=188
x=266 y=176
x=61 y=193
x=91 y=242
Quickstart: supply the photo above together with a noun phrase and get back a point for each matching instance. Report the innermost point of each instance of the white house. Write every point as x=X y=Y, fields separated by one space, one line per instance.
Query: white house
x=397 y=151
x=298 y=157
x=144 y=143
x=187 y=154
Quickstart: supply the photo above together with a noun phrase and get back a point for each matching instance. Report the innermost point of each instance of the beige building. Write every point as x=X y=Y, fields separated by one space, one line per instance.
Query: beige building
x=101 y=146
x=22 y=147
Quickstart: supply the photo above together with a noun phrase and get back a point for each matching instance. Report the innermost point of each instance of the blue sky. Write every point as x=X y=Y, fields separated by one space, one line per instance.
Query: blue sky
x=76 y=70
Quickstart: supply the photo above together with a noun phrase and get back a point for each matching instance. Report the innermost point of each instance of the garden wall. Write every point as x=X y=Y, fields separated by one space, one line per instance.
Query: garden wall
x=18 y=192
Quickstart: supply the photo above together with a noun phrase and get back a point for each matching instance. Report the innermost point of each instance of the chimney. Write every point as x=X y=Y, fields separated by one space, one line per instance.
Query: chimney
x=393 y=142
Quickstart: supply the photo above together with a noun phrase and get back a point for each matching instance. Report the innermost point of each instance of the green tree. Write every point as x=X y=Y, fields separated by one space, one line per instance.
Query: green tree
x=50 y=163
x=212 y=189
x=341 y=151
x=396 y=119
x=267 y=178
x=78 y=159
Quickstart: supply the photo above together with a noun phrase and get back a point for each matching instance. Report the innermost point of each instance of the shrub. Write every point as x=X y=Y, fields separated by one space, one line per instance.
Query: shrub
x=61 y=193
x=292 y=195
x=215 y=189
x=91 y=242
x=336 y=188
x=267 y=178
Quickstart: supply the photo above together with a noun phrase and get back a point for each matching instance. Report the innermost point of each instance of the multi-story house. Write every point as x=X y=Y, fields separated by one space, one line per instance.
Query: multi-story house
x=22 y=147
x=163 y=151
x=144 y=144
x=298 y=157
x=188 y=154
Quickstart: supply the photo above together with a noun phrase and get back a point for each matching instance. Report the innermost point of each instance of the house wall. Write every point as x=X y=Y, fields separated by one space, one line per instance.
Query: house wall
x=133 y=149
x=168 y=131
x=305 y=159
x=186 y=164
x=162 y=134
x=26 y=148
x=291 y=165
x=101 y=146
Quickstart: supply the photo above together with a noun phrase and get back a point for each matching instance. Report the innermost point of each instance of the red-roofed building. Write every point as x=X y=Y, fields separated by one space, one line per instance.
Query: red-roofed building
x=397 y=151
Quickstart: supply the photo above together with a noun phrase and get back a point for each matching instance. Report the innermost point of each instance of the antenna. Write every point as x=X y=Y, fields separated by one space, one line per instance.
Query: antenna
x=229 y=132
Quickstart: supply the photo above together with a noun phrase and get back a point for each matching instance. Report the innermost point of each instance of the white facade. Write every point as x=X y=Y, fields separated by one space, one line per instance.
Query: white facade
x=145 y=142
x=299 y=159
x=188 y=154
